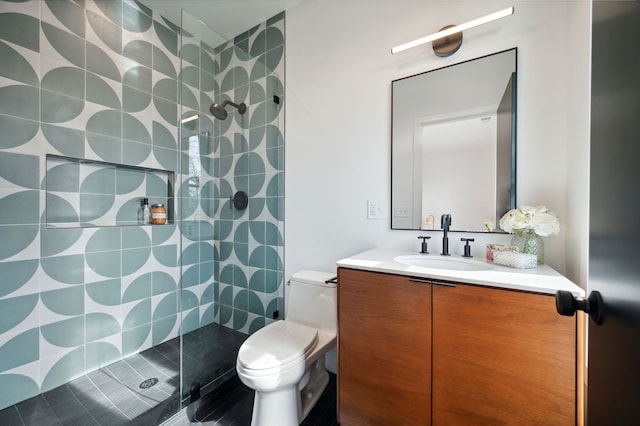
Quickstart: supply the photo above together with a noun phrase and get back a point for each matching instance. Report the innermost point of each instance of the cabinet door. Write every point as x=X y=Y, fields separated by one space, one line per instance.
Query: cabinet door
x=501 y=357
x=384 y=346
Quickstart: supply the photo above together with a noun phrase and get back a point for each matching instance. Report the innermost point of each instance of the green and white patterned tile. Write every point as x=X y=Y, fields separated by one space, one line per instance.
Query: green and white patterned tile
x=60 y=44
x=99 y=354
x=134 y=129
x=149 y=61
x=103 y=147
x=139 y=51
x=17 y=132
x=136 y=314
x=136 y=339
x=164 y=329
x=17 y=388
x=134 y=19
x=57 y=370
x=63 y=140
x=66 y=301
x=103 y=33
x=65 y=14
x=105 y=293
x=65 y=333
x=134 y=100
x=18 y=100
x=190 y=320
x=20 y=278
x=19 y=313
x=164 y=305
x=18 y=350
x=20 y=29
x=162 y=282
x=19 y=64
x=17 y=171
x=99 y=62
x=64 y=269
x=103 y=91
x=255 y=323
x=99 y=325
x=110 y=10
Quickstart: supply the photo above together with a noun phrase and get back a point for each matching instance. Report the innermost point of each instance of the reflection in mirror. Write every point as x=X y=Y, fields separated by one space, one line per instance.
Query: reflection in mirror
x=453 y=144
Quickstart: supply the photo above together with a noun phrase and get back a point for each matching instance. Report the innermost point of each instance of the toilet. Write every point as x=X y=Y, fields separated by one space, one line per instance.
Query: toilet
x=284 y=362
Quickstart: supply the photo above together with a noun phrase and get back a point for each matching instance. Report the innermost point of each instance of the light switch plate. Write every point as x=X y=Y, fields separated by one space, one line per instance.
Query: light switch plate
x=376 y=209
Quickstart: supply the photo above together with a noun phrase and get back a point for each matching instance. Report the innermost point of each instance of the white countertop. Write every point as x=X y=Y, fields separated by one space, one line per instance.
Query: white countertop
x=542 y=279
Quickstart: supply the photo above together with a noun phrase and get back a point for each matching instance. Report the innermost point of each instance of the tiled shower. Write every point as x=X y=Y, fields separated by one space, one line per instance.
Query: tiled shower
x=92 y=96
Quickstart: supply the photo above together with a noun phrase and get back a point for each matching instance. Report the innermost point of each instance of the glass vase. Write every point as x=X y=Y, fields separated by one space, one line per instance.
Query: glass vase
x=527 y=241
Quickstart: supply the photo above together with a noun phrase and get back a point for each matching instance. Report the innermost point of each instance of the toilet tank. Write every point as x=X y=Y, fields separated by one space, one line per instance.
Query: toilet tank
x=312 y=300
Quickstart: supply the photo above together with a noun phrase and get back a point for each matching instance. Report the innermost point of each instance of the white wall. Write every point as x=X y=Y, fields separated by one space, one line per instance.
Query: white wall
x=469 y=141
x=339 y=71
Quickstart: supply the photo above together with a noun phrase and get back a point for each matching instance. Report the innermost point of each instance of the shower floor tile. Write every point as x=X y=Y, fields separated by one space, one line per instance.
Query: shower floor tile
x=118 y=394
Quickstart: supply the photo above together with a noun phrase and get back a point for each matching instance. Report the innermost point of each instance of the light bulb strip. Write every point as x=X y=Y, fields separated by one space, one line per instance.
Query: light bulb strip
x=455 y=29
x=188 y=119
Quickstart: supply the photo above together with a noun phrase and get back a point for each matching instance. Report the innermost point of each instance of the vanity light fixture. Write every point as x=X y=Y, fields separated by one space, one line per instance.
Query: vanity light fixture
x=448 y=40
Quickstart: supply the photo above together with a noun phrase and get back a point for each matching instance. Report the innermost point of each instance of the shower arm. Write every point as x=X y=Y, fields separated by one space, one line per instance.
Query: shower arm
x=240 y=107
x=228 y=102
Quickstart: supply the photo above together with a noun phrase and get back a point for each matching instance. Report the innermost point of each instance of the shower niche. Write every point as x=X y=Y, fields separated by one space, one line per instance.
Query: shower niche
x=84 y=193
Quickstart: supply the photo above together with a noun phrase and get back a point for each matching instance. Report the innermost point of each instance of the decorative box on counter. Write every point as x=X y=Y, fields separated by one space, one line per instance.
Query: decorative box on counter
x=493 y=248
x=515 y=259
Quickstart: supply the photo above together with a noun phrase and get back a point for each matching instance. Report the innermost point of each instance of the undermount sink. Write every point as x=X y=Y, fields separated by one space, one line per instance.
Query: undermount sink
x=445 y=263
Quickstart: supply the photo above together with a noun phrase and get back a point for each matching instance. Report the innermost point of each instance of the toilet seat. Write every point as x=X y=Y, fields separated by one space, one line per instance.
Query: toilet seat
x=277 y=347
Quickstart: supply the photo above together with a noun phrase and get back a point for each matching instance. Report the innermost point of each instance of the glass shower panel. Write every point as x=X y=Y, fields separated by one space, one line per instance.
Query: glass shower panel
x=232 y=280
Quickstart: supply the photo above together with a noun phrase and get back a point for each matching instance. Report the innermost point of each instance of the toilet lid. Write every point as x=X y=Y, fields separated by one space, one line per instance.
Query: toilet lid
x=277 y=344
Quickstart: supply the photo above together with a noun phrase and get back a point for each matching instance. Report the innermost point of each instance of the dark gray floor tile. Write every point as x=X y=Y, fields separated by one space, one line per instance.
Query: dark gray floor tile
x=67 y=408
x=112 y=397
x=10 y=416
x=100 y=407
x=36 y=410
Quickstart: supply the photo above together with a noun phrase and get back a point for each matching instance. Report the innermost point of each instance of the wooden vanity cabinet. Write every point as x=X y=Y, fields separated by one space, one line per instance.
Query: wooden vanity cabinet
x=384 y=346
x=501 y=357
x=420 y=354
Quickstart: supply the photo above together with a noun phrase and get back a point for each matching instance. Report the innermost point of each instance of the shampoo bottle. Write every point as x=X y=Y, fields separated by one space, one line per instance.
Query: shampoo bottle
x=144 y=214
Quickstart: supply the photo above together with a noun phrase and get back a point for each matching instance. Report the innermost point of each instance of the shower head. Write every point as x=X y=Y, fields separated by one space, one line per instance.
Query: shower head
x=220 y=113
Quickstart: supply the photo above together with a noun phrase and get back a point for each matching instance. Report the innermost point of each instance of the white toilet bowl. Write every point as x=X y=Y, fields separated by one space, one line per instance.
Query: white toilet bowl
x=284 y=361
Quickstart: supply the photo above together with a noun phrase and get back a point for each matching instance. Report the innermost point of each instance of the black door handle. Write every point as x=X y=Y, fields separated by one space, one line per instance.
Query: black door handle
x=567 y=304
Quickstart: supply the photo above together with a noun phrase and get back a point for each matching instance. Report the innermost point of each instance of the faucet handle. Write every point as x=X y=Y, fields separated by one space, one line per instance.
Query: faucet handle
x=467 y=247
x=423 y=249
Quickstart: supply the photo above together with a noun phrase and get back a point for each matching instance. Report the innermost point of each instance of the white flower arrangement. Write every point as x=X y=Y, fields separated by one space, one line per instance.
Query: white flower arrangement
x=539 y=219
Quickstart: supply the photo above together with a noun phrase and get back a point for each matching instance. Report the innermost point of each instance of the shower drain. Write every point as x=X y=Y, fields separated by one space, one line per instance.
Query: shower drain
x=146 y=384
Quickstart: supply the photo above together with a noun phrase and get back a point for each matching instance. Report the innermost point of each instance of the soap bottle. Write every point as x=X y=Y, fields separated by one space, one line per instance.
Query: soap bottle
x=144 y=213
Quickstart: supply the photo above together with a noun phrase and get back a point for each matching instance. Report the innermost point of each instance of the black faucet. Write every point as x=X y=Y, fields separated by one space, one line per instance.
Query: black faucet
x=445 y=223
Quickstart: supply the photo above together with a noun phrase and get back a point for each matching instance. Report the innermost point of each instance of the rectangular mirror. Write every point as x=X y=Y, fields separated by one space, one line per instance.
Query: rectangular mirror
x=453 y=144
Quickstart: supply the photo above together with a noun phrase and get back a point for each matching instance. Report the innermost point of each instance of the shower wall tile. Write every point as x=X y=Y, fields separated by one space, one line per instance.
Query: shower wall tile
x=138 y=49
x=77 y=80
x=134 y=18
x=20 y=64
x=19 y=100
x=61 y=45
x=61 y=368
x=103 y=33
x=250 y=262
x=18 y=242
x=99 y=80
x=19 y=135
x=66 y=14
